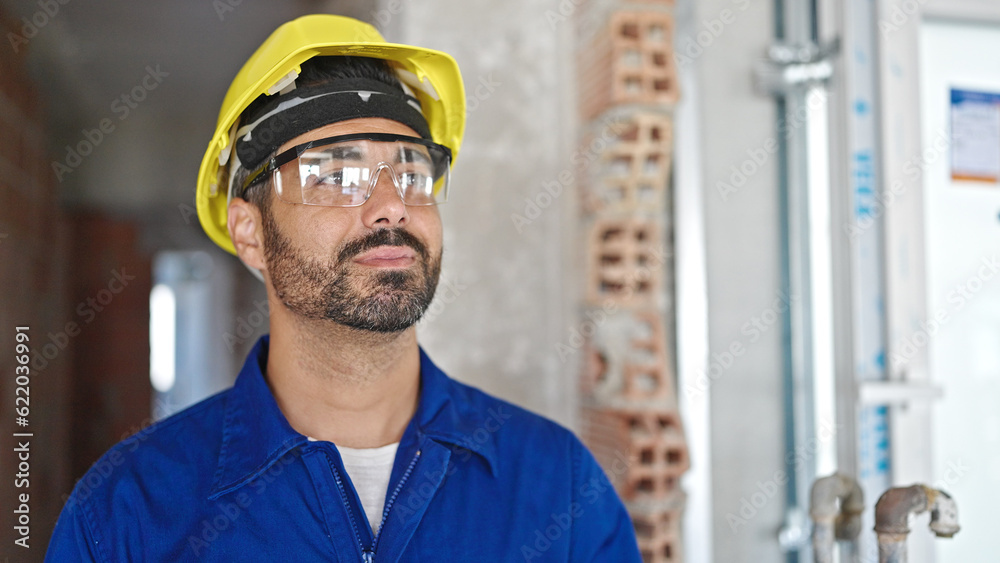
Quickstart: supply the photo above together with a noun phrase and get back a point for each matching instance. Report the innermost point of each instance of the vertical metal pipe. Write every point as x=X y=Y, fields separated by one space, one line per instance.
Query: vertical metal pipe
x=823 y=541
x=794 y=27
x=892 y=548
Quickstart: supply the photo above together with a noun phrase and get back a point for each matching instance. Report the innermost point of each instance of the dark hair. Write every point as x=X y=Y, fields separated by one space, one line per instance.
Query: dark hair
x=319 y=70
x=315 y=72
x=259 y=194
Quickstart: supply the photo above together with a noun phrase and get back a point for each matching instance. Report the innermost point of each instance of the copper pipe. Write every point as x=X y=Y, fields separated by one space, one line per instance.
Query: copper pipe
x=835 y=506
x=892 y=513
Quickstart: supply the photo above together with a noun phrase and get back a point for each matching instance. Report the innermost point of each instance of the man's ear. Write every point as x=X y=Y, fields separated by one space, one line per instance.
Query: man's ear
x=247 y=232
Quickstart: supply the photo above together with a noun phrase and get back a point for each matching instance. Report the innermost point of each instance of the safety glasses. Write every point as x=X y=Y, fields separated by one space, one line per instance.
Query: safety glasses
x=342 y=171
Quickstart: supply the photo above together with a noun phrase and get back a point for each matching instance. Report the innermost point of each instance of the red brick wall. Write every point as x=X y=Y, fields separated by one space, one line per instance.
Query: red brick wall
x=111 y=281
x=33 y=292
x=89 y=369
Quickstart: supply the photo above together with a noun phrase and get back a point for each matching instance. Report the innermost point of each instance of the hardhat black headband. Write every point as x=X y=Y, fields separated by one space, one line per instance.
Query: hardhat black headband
x=303 y=109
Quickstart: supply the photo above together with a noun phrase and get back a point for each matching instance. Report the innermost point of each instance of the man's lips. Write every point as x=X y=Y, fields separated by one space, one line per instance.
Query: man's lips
x=387 y=257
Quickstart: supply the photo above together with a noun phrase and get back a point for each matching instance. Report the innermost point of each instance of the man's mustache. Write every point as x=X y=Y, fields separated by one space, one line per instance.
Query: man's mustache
x=382 y=237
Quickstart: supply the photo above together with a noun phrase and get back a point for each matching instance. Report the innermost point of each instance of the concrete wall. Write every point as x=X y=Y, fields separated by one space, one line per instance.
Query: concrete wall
x=508 y=288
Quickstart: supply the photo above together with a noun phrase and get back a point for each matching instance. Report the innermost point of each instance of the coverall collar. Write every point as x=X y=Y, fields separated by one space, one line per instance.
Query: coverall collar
x=256 y=433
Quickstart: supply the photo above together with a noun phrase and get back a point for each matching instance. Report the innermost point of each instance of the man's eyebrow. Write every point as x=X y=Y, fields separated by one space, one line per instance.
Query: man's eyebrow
x=343 y=152
x=410 y=154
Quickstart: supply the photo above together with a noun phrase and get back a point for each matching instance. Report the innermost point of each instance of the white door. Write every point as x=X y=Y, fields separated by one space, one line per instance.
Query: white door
x=961 y=62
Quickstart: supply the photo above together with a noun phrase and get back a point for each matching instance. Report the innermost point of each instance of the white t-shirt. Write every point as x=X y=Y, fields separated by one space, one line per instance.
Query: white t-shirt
x=369 y=470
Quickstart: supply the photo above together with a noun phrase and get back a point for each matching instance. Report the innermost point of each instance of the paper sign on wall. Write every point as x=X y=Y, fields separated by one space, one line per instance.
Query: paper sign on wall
x=975 y=134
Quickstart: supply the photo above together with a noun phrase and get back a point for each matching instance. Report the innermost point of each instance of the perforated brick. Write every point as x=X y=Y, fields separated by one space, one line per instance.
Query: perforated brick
x=642 y=451
x=629 y=61
x=632 y=165
x=627 y=362
x=659 y=535
x=625 y=262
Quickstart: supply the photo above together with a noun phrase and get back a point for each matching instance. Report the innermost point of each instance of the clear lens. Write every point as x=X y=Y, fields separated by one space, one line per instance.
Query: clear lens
x=343 y=174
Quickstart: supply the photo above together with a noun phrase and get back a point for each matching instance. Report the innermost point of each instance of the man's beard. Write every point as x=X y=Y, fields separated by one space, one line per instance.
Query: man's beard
x=378 y=301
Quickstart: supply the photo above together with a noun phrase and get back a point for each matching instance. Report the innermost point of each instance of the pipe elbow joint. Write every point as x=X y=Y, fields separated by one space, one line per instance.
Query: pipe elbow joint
x=893 y=510
x=823 y=507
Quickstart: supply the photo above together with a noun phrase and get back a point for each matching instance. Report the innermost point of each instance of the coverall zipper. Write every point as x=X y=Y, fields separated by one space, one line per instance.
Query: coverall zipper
x=368 y=555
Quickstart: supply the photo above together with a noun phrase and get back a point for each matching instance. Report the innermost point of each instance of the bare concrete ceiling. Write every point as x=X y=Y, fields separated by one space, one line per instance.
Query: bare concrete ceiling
x=85 y=55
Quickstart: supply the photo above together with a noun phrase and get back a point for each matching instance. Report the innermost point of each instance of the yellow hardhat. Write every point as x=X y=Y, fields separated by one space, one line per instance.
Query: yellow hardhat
x=432 y=75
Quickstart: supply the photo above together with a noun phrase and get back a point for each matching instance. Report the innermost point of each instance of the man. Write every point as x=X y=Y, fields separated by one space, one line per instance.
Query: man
x=341 y=440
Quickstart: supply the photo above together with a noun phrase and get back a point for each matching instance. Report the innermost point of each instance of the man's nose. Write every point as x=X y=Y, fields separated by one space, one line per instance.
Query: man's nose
x=385 y=207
